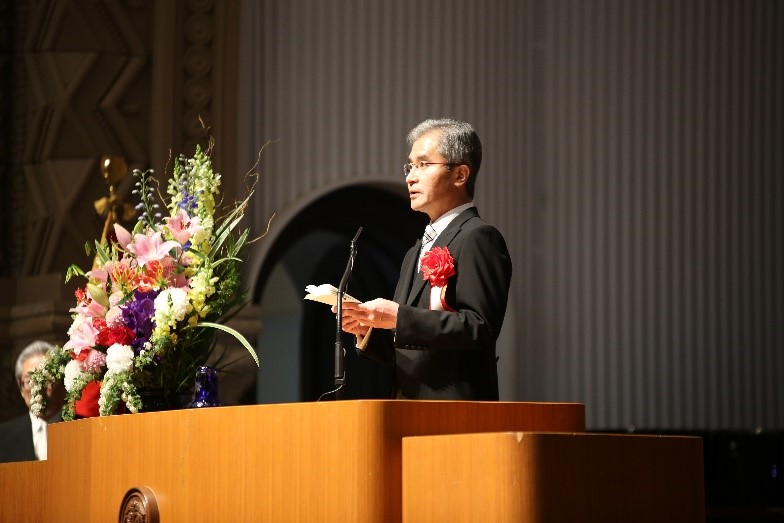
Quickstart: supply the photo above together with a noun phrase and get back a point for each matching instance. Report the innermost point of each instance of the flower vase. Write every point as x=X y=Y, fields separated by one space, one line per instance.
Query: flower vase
x=206 y=388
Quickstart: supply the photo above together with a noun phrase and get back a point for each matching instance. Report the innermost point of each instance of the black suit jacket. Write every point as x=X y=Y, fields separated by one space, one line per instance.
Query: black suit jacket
x=16 y=440
x=450 y=355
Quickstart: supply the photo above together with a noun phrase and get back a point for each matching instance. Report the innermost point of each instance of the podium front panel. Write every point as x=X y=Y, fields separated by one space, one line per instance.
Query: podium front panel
x=332 y=461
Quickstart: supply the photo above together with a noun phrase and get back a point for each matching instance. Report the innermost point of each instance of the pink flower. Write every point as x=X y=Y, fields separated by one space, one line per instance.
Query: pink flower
x=99 y=275
x=90 y=307
x=115 y=312
x=82 y=335
x=94 y=362
x=183 y=227
x=123 y=236
x=151 y=247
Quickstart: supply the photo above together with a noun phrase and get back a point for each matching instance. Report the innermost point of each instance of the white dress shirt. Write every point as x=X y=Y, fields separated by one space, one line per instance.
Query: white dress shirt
x=39 y=436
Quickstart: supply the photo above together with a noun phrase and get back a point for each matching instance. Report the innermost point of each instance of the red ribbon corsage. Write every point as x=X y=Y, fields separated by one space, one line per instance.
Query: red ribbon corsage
x=437 y=267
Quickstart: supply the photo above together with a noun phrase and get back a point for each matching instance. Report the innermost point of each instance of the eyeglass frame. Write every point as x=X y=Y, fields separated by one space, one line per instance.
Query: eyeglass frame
x=409 y=167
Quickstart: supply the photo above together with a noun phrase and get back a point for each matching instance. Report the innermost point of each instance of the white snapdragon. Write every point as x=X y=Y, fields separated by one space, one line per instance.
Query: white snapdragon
x=171 y=306
x=71 y=371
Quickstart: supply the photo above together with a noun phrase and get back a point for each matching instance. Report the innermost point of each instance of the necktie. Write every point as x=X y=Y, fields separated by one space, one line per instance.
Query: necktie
x=427 y=240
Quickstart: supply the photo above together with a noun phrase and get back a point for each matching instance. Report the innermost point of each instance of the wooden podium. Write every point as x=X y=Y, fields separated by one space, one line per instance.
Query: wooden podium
x=543 y=477
x=334 y=461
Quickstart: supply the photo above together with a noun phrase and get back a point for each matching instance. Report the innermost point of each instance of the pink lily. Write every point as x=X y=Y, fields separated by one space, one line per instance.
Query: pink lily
x=123 y=236
x=151 y=247
x=182 y=226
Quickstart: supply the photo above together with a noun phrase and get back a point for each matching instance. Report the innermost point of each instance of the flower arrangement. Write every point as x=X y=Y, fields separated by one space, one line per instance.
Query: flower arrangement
x=153 y=301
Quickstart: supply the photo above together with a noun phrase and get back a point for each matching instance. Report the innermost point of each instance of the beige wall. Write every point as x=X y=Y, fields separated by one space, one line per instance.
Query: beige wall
x=631 y=161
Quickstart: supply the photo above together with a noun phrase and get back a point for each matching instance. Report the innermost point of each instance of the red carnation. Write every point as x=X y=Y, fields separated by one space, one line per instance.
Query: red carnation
x=438 y=266
x=117 y=333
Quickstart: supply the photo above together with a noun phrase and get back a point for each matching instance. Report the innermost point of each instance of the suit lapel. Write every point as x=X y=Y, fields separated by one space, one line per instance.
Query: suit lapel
x=407 y=272
x=443 y=240
x=416 y=287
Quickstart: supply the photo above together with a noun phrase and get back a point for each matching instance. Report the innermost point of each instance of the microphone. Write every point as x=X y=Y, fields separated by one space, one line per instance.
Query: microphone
x=340 y=353
x=354 y=240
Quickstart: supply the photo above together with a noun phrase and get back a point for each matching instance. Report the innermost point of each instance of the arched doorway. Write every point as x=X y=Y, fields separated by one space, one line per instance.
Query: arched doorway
x=297 y=342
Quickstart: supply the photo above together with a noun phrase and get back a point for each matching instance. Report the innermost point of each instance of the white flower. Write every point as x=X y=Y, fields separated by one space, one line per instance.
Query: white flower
x=119 y=358
x=71 y=371
x=171 y=304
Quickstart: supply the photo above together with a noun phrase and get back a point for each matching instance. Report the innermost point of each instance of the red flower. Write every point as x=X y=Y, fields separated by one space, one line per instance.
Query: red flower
x=87 y=404
x=117 y=333
x=81 y=296
x=438 y=266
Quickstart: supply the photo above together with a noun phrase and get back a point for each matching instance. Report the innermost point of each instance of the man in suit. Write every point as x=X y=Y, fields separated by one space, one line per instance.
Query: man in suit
x=441 y=327
x=24 y=438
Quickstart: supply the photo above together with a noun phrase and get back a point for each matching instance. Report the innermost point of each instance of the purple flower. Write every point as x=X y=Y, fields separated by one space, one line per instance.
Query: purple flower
x=188 y=202
x=138 y=315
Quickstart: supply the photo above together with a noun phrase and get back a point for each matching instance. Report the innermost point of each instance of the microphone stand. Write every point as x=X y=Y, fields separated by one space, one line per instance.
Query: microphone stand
x=340 y=353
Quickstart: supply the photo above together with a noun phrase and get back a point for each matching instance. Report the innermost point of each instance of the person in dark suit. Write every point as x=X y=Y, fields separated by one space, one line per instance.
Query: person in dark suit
x=441 y=327
x=25 y=438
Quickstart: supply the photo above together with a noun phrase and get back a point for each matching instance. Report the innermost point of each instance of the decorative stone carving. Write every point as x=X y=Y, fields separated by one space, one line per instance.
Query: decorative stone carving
x=129 y=78
x=197 y=64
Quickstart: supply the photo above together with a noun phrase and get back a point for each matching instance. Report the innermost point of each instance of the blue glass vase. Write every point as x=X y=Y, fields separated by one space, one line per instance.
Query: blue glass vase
x=206 y=389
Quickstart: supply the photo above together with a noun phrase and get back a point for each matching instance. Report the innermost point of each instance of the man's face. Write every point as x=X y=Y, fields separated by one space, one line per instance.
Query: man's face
x=55 y=392
x=24 y=380
x=431 y=188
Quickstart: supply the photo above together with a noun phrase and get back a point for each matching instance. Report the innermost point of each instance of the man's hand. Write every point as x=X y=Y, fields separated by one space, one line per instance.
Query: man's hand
x=359 y=317
x=351 y=324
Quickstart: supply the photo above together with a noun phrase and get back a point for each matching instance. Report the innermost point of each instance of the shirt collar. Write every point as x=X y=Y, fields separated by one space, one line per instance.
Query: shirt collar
x=445 y=219
x=36 y=421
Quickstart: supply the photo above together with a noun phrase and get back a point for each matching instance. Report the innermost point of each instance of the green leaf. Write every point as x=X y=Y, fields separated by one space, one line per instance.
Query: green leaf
x=234 y=333
x=73 y=270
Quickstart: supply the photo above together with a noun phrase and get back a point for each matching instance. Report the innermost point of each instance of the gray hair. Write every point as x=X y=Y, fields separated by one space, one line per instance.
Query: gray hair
x=37 y=348
x=459 y=143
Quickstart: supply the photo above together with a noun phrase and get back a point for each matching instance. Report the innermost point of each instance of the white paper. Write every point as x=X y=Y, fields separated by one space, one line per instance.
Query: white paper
x=326 y=293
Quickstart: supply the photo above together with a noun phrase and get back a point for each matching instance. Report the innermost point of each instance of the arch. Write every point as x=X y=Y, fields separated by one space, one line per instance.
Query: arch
x=264 y=253
x=310 y=244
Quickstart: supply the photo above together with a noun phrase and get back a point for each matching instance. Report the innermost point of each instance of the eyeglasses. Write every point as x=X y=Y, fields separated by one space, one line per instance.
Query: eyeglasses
x=421 y=164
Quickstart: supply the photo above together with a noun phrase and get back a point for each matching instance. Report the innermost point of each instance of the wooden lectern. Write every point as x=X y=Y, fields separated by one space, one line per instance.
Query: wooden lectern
x=335 y=461
x=541 y=477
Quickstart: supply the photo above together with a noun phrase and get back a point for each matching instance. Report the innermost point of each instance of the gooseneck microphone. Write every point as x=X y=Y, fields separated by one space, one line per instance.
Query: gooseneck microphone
x=340 y=353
